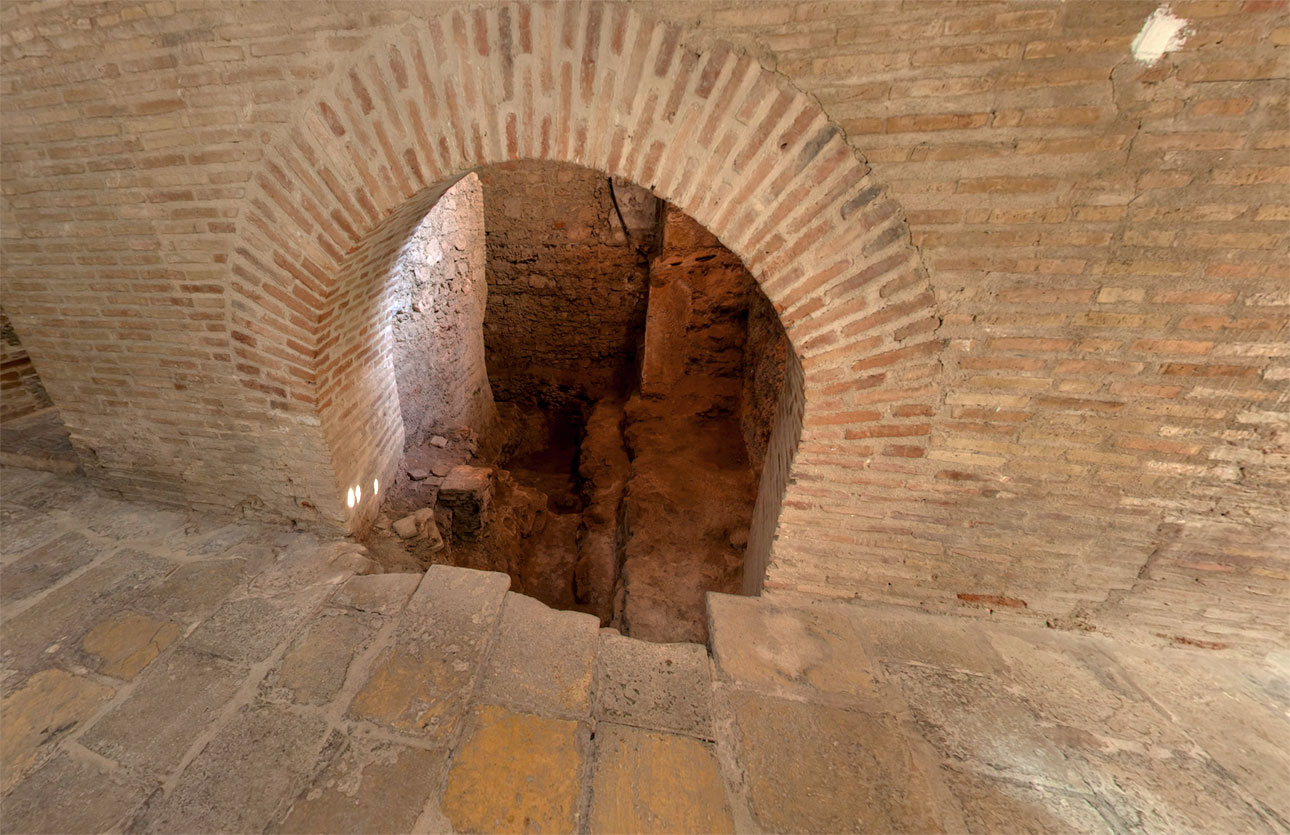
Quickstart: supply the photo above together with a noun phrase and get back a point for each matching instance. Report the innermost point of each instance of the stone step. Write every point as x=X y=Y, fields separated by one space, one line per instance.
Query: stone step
x=661 y=687
x=423 y=682
x=543 y=659
x=571 y=727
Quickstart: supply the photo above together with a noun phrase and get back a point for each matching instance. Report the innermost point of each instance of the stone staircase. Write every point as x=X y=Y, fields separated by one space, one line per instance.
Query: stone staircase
x=161 y=674
x=315 y=698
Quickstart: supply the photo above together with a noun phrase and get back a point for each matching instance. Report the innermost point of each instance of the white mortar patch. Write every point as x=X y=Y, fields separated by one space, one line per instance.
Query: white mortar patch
x=1160 y=34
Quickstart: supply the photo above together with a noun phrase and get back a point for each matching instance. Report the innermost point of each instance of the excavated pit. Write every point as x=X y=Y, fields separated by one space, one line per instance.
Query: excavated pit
x=613 y=480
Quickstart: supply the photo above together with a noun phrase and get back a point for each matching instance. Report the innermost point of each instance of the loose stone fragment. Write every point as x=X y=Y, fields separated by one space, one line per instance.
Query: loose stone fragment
x=467 y=491
x=406 y=527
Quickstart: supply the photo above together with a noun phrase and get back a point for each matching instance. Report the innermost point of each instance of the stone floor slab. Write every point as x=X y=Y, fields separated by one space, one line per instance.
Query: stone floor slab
x=924 y=639
x=50 y=705
x=46 y=565
x=764 y=645
x=311 y=563
x=49 y=492
x=24 y=530
x=516 y=772
x=124 y=644
x=1168 y=792
x=1070 y=683
x=653 y=782
x=422 y=683
x=172 y=705
x=1006 y=807
x=817 y=768
x=193 y=591
x=248 y=630
x=978 y=722
x=18 y=482
x=242 y=780
x=383 y=594
x=371 y=787
x=665 y=687
x=543 y=659
x=38 y=636
x=69 y=796
x=1240 y=724
x=118 y=519
x=315 y=667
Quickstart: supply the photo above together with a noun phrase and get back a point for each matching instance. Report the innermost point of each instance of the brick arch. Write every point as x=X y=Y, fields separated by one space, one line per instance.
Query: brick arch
x=734 y=145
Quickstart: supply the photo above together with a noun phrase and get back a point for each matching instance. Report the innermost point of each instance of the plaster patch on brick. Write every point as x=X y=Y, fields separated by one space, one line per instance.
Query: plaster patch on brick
x=1161 y=33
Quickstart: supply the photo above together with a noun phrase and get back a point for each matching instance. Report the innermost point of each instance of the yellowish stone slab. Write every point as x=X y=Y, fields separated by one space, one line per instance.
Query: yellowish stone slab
x=653 y=782
x=422 y=684
x=412 y=693
x=128 y=643
x=50 y=704
x=515 y=773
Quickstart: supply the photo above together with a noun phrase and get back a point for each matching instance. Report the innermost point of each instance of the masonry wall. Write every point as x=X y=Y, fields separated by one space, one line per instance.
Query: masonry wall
x=766 y=353
x=1041 y=327
x=567 y=288
x=438 y=297
x=21 y=392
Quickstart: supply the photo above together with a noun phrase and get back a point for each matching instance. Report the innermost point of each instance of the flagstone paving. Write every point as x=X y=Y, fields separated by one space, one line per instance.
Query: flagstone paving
x=163 y=671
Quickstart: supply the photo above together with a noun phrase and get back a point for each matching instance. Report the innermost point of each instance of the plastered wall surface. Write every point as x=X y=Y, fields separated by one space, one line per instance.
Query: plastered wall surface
x=438 y=296
x=1036 y=285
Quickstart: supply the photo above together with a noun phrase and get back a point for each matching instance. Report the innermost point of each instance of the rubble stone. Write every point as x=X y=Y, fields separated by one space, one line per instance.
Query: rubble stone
x=467 y=491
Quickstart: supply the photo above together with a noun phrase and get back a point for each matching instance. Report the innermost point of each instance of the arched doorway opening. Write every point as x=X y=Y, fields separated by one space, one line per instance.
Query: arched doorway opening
x=733 y=145
x=599 y=432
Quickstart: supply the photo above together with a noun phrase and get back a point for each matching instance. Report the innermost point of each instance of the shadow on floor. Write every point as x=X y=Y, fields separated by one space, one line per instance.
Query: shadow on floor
x=38 y=441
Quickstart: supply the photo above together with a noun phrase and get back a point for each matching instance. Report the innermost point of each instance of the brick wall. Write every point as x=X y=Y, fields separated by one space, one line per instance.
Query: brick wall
x=1042 y=341
x=20 y=390
x=1107 y=244
x=566 y=286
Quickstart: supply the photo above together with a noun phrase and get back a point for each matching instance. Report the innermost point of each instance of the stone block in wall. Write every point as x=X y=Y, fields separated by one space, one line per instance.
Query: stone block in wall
x=468 y=492
x=666 y=323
